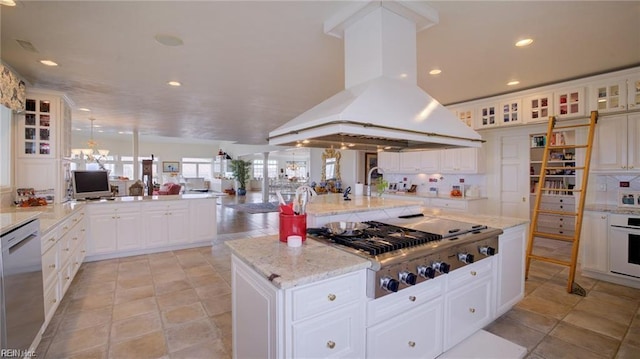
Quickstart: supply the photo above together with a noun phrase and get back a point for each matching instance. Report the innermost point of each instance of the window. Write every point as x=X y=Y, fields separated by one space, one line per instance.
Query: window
x=272 y=168
x=197 y=167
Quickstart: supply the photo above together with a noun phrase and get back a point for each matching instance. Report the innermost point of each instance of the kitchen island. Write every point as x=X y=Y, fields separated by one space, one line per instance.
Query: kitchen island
x=312 y=301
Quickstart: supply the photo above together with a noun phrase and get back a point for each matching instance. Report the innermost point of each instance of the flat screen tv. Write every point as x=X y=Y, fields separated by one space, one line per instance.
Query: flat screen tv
x=90 y=184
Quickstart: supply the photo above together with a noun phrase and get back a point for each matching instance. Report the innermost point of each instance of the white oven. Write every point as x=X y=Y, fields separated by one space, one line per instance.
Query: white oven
x=624 y=244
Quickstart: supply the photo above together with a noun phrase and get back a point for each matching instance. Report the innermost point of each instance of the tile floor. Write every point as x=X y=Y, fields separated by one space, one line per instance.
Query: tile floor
x=178 y=305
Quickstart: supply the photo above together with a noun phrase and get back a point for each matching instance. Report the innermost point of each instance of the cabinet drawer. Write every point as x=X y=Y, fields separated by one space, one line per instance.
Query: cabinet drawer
x=452 y=204
x=412 y=334
x=556 y=230
x=558 y=200
x=340 y=333
x=564 y=207
x=50 y=300
x=467 y=309
x=470 y=274
x=65 y=276
x=49 y=239
x=166 y=205
x=406 y=300
x=566 y=222
x=328 y=294
x=49 y=266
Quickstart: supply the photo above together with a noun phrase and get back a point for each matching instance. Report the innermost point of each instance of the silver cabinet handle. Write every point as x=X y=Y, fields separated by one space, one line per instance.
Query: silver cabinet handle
x=412 y=298
x=331 y=297
x=472 y=310
x=412 y=344
x=331 y=344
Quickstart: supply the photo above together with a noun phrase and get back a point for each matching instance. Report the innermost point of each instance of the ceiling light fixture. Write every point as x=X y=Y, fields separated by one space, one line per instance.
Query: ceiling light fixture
x=168 y=40
x=48 y=63
x=513 y=83
x=92 y=154
x=174 y=83
x=84 y=109
x=435 y=72
x=7 y=2
x=524 y=42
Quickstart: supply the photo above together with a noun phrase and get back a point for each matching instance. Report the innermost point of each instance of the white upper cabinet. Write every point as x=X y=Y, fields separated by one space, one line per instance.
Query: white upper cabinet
x=538 y=108
x=487 y=116
x=633 y=92
x=608 y=96
x=462 y=161
x=466 y=115
x=511 y=112
x=389 y=162
x=616 y=144
x=37 y=127
x=569 y=102
x=419 y=162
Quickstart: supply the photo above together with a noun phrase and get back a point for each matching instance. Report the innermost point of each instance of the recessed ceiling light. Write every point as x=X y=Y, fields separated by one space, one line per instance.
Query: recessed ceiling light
x=84 y=109
x=435 y=72
x=8 y=2
x=513 y=83
x=524 y=42
x=404 y=76
x=48 y=63
x=168 y=40
x=305 y=141
x=174 y=83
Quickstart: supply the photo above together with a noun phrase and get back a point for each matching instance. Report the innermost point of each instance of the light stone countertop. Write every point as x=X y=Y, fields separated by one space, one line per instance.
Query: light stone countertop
x=49 y=216
x=609 y=208
x=290 y=267
x=422 y=195
x=333 y=204
x=490 y=221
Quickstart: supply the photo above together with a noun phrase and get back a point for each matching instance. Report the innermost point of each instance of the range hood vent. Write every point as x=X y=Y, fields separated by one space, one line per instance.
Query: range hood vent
x=382 y=108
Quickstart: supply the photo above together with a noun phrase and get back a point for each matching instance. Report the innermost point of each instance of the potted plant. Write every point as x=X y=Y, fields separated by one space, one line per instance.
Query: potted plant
x=241 y=170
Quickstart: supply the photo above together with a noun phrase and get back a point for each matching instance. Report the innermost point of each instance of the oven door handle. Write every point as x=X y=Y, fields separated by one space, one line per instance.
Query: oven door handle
x=617 y=226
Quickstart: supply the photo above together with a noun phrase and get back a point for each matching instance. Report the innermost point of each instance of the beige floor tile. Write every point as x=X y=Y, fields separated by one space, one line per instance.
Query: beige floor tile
x=135 y=326
x=41 y=350
x=515 y=332
x=205 y=280
x=557 y=294
x=174 y=299
x=633 y=336
x=172 y=276
x=86 y=318
x=54 y=323
x=618 y=290
x=532 y=320
x=544 y=307
x=223 y=322
x=99 y=352
x=213 y=289
x=182 y=314
x=614 y=300
x=175 y=286
x=79 y=290
x=199 y=271
x=141 y=257
x=628 y=352
x=217 y=305
x=189 y=334
x=207 y=349
x=97 y=277
x=617 y=313
x=140 y=281
x=191 y=260
x=66 y=343
x=586 y=339
x=127 y=295
x=92 y=301
x=552 y=347
x=133 y=308
x=134 y=273
x=596 y=323
x=151 y=345
x=226 y=276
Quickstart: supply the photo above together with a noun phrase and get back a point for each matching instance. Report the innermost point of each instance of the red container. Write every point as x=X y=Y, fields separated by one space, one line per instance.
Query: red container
x=292 y=224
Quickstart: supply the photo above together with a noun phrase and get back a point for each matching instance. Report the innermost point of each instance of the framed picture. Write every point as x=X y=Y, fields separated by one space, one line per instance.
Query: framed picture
x=171 y=167
x=370 y=161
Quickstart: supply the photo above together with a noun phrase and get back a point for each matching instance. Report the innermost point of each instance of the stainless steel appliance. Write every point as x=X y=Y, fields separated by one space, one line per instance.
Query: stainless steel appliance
x=408 y=251
x=624 y=244
x=21 y=293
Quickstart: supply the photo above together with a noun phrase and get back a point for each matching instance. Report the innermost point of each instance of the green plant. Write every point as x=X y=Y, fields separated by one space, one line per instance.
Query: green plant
x=241 y=171
x=381 y=186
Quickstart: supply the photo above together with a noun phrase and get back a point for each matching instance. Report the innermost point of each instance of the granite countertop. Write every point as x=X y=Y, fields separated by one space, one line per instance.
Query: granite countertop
x=489 y=221
x=49 y=215
x=426 y=195
x=610 y=208
x=332 y=204
x=287 y=267
x=127 y=199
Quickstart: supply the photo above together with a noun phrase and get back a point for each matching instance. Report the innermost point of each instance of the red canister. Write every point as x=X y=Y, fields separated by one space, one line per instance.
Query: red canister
x=293 y=224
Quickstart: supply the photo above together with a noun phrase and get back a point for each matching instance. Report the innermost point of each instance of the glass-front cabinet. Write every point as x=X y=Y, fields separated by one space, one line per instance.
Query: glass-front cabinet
x=570 y=103
x=36 y=137
x=538 y=108
x=466 y=116
x=633 y=93
x=511 y=112
x=609 y=96
x=487 y=116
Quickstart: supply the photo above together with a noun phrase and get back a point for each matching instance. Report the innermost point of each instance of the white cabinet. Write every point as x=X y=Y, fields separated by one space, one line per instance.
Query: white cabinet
x=487 y=116
x=511 y=112
x=538 y=108
x=633 y=92
x=510 y=268
x=616 y=146
x=609 y=95
x=419 y=162
x=473 y=206
x=469 y=301
x=594 y=243
x=389 y=162
x=461 y=161
x=166 y=222
x=114 y=227
x=466 y=115
x=569 y=103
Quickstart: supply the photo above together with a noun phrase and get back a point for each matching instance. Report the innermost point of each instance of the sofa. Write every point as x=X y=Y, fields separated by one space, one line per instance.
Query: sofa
x=168 y=188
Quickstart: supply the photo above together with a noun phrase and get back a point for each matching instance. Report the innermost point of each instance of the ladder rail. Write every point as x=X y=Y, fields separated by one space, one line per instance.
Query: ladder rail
x=577 y=213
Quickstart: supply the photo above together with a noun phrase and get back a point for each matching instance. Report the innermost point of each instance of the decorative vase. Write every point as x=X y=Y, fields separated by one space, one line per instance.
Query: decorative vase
x=241 y=192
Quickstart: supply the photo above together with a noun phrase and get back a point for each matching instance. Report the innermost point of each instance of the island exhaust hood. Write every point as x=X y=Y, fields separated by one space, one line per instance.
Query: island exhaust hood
x=382 y=107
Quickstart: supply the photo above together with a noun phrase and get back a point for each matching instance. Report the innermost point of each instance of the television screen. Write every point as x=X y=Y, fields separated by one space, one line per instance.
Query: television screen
x=90 y=184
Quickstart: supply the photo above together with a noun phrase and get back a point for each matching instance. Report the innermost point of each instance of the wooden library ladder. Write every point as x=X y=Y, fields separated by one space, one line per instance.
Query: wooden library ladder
x=576 y=212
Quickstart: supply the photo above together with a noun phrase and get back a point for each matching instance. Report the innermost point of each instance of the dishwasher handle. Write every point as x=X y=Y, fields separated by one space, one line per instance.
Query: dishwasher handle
x=16 y=245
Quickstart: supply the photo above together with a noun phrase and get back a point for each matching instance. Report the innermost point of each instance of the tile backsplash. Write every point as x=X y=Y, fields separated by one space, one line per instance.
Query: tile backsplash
x=604 y=188
x=443 y=182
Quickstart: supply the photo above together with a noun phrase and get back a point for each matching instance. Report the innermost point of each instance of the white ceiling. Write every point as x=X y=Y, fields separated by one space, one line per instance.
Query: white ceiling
x=248 y=67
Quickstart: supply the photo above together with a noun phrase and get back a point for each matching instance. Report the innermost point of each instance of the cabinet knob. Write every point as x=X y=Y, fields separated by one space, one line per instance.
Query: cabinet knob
x=630 y=167
x=603 y=217
x=472 y=310
x=83 y=251
x=473 y=273
x=67 y=277
x=412 y=343
x=331 y=344
x=75 y=238
x=331 y=297
x=65 y=228
x=52 y=266
x=52 y=239
x=54 y=301
x=412 y=298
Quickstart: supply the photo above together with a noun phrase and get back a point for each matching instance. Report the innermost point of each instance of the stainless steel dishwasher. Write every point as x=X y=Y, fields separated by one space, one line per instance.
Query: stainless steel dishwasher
x=21 y=293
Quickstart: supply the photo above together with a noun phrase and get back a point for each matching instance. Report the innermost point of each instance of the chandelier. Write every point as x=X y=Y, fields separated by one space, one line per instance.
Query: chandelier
x=293 y=166
x=92 y=154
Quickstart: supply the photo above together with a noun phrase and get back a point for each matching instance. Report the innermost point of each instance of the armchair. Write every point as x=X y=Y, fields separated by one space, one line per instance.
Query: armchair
x=168 y=188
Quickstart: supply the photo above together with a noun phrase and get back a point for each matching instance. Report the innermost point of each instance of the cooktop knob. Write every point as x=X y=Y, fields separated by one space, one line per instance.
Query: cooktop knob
x=465 y=258
x=441 y=267
x=426 y=272
x=389 y=284
x=487 y=251
x=407 y=278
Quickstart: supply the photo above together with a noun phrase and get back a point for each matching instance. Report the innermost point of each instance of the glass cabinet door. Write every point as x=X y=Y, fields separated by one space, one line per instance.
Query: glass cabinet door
x=633 y=89
x=37 y=130
x=570 y=103
x=511 y=112
x=487 y=116
x=609 y=96
x=538 y=108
